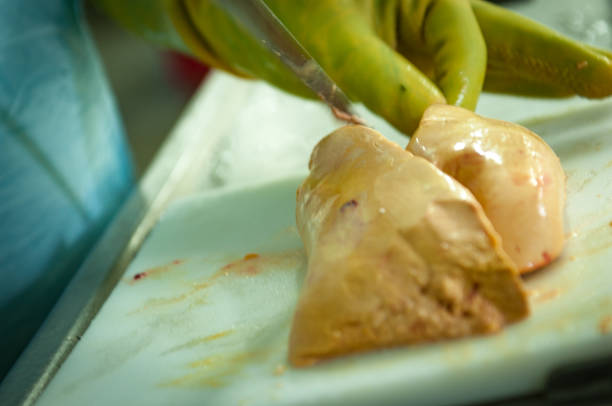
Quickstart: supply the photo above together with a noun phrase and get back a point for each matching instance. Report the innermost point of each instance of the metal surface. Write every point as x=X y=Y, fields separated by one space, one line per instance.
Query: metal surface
x=260 y=21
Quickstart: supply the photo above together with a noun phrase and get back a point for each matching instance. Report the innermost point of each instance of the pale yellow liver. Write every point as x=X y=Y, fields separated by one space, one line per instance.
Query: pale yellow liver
x=398 y=253
x=514 y=174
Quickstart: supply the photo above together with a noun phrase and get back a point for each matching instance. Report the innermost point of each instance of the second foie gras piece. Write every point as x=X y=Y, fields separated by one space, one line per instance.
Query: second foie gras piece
x=398 y=253
x=514 y=174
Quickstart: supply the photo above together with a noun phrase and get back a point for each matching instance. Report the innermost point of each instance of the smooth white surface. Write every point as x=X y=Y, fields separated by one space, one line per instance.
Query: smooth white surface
x=184 y=336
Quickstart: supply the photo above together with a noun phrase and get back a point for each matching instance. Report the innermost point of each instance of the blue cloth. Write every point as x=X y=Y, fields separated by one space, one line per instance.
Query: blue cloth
x=64 y=165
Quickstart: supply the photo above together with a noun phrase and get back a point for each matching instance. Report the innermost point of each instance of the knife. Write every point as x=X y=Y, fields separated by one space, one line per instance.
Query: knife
x=257 y=18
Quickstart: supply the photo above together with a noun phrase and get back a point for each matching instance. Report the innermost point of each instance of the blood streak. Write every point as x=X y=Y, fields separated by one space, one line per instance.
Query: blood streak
x=604 y=324
x=157 y=271
x=350 y=204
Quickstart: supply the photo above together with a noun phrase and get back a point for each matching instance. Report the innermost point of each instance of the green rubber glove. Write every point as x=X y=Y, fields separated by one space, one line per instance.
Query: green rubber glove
x=395 y=56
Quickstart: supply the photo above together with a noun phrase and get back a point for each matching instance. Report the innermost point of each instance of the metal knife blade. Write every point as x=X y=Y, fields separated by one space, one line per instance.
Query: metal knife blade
x=257 y=18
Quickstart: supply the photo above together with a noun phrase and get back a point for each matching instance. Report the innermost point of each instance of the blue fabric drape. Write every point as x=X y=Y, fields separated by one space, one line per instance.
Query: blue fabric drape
x=64 y=163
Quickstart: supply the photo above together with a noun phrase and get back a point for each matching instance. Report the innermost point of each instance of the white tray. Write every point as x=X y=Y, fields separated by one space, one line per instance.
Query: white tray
x=195 y=331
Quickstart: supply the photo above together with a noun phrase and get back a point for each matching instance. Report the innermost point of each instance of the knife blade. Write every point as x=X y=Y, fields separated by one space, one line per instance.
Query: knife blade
x=257 y=18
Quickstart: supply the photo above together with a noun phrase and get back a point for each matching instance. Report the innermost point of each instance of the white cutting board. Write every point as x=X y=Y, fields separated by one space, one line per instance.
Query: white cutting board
x=208 y=323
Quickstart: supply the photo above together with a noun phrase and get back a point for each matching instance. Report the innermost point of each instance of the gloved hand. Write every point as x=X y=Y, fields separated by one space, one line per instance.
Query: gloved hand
x=397 y=56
